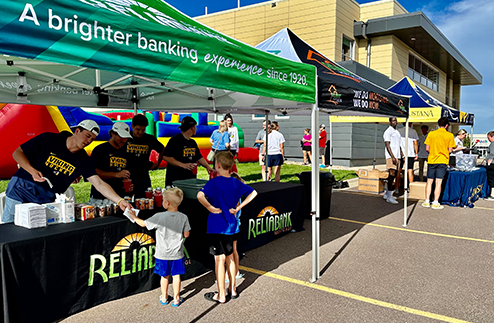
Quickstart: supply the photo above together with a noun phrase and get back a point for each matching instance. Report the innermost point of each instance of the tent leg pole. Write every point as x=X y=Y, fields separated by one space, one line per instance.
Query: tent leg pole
x=266 y=179
x=375 y=147
x=316 y=215
x=405 y=212
x=330 y=145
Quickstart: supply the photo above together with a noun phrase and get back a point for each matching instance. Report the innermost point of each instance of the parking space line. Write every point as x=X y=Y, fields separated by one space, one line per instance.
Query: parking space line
x=483 y=208
x=413 y=231
x=354 y=296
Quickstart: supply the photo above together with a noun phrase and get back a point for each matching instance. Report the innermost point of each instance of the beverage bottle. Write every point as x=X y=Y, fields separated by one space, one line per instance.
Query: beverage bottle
x=158 y=197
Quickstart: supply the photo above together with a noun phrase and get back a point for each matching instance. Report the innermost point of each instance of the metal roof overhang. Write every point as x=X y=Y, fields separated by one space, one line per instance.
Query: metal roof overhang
x=421 y=35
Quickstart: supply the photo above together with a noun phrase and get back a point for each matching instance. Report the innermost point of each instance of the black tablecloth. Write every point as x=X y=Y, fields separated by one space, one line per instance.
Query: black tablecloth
x=50 y=273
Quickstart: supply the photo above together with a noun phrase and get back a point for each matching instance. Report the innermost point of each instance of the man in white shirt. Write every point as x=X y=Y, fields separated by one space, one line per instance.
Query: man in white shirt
x=413 y=149
x=393 y=153
x=276 y=150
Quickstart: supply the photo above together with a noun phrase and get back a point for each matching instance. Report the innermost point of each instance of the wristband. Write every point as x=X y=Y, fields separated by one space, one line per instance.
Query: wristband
x=122 y=199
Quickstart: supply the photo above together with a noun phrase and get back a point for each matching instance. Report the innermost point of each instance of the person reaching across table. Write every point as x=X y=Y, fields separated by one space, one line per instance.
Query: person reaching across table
x=171 y=227
x=490 y=165
x=458 y=150
x=110 y=160
x=49 y=163
x=440 y=144
x=182 y=154
x=139 y=149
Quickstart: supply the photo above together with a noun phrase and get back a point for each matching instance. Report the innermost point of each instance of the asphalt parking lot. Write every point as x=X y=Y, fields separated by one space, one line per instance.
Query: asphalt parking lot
x=373 y=269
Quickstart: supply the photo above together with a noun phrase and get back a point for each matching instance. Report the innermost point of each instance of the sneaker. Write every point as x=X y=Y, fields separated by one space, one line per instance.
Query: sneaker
x=437 y=206
x=396 y=192
x=386 y=195
x=391 y=200
x=426 y=204
x=489 y=198
x=322 y=166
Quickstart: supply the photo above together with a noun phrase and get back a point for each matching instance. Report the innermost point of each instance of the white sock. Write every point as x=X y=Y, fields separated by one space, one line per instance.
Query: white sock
x=435 y=202
x=426 y=201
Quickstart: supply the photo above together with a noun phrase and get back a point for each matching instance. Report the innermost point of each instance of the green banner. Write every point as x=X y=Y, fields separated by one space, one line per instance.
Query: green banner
x=147 y=38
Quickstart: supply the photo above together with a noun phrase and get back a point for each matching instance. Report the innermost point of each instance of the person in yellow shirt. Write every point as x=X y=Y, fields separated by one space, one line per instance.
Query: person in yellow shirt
x=439 y=144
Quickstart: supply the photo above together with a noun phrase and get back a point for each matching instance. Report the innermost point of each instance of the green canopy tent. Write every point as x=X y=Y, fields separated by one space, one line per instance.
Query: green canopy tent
x=146 y=54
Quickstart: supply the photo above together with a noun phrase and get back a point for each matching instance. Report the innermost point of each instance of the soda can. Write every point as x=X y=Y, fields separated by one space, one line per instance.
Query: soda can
x=146 y=204
x=151 y=204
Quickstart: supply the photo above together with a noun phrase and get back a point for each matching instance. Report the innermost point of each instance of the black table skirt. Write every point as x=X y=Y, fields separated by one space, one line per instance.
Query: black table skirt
x=53 y=272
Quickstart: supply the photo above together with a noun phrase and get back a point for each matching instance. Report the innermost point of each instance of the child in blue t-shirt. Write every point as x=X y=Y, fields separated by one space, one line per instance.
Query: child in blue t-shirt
x=220 y=196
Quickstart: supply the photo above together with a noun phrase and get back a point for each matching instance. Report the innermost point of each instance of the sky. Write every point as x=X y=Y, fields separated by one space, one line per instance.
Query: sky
x=466 y=23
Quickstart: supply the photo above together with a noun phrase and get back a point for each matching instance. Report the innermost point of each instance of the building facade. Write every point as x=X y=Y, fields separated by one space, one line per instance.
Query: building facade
x=380 y=41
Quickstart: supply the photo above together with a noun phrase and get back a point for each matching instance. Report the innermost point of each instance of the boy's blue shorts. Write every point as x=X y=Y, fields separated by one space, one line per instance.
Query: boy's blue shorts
x=169 y=267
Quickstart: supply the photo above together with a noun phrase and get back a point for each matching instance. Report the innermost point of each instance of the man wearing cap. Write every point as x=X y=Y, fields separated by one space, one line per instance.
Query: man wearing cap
x=139 y=148
x=322 y=144
x=49 y=163
x=182 y=154
x=110 y=160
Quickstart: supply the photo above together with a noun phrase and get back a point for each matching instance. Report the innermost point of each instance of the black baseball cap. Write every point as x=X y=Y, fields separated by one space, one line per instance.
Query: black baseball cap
x=187 y=123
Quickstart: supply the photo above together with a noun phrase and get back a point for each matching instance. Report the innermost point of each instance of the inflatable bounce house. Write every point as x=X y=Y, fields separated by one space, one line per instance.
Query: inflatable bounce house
x=20 y=122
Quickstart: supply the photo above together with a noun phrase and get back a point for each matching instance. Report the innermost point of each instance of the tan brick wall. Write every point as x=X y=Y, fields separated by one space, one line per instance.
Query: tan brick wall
x=346 y=12
x=380 y=9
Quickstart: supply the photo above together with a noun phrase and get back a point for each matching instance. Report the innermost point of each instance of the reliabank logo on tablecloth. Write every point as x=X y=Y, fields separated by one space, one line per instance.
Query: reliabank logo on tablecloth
x=132 y=254
x=269 y=220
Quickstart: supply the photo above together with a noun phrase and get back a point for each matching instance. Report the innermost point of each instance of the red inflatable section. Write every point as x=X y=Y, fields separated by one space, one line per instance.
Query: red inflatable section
x=119 y=115
x=18 y=124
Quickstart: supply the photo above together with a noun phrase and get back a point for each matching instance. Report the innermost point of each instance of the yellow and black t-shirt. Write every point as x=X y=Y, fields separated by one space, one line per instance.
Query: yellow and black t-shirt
x=184 y=151
x=48 y=154
x=109 y=159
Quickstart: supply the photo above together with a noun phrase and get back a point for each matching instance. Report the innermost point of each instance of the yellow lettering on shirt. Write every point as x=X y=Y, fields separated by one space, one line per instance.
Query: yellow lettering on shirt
x=60 y=165
x=189 y=152
x=137 y=149
x=118 y=162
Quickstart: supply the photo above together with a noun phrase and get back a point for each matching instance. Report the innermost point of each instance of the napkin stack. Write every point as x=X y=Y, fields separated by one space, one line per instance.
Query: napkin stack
x=30 y=215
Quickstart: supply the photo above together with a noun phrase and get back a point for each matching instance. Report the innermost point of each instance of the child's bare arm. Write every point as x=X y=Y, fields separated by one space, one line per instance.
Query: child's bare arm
x=202 y=199
x=139 y=221
x=249 y=198
x=186 y=234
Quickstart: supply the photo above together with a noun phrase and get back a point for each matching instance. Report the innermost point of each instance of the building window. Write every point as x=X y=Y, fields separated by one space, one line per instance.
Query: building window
x=347 y=49
x=258 y=117
x=422 y=73
x=282 y=117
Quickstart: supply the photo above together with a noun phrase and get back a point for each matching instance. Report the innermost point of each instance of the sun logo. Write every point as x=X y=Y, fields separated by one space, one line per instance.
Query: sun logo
x=141 y=238
x=268 y=210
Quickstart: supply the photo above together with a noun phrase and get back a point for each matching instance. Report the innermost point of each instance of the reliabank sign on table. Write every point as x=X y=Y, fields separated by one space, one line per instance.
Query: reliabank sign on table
x=124 y=259
x=269 y=220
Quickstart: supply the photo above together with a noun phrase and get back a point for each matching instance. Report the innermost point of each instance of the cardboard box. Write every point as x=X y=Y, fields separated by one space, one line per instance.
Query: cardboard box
x=417 y=190
x=84 y=212
x=371 y=181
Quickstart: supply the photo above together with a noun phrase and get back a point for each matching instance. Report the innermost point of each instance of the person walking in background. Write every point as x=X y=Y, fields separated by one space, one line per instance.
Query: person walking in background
x=233 y=133
x=413 y=149
x=458 y=150
x=490 y=165
x=393 y=153
x=171 y=227
x=322 y=144
x=307 y=145
x=276 y=151
x=439 y=144
x=259 y=143
x=220 y=140
x=423 y=154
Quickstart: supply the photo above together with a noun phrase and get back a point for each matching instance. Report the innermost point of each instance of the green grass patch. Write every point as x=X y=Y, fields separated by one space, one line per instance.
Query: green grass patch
x=250 y=172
